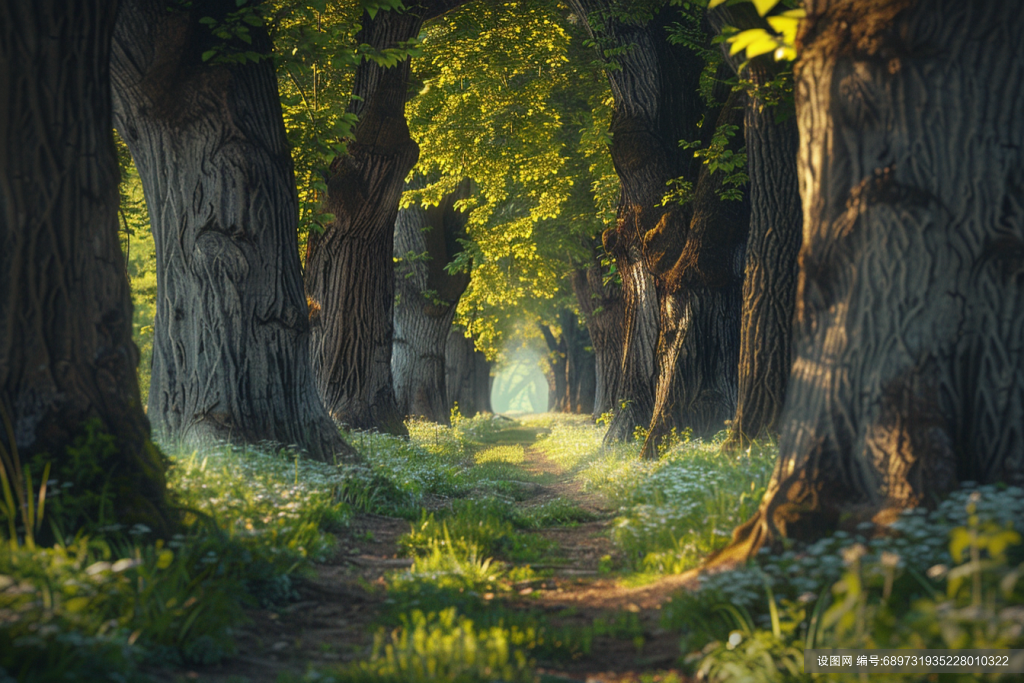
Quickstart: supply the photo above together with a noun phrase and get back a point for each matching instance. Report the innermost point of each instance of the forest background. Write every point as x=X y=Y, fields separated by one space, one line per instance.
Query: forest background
x=707 y=263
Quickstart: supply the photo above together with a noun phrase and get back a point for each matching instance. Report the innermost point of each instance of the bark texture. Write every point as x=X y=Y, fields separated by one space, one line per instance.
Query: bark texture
x=349 y=268
x=769 y=281
x=467 y=375
x=699 y=295
x=426 y=240
x=909 y=375
x=654 y=84
x=602 y=308
x=66 y=353
x=773 y=243
x=231 y=344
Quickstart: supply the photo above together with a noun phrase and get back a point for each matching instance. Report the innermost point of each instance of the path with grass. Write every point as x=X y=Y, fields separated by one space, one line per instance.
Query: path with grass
x=527 y=545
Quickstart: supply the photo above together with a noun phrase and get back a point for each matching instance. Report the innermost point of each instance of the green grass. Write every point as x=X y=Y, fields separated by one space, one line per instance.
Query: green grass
x=116 y=602
x=672 y=512
x=948 y=578
x=439 y=646
x=487 y=526
x=512 y=454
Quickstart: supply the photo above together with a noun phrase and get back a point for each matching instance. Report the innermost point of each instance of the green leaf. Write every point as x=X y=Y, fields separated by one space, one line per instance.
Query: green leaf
x=208 y=55
x=764 y=6
x=746 y=38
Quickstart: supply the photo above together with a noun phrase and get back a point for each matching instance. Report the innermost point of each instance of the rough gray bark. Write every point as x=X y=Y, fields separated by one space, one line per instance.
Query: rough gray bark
x=654 y=83
x=230 y=350
x=907 y=377
x=602 y=308
x=426 y=240
x=349 y=269
x=66 y=353
x=699 y=295
x=769 y=282
x=773 y=243
x=467 y=375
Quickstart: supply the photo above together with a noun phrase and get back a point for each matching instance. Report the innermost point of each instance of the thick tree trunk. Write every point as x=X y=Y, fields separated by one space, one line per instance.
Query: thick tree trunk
x=655 y=85
x=769 y=282
x=908 y=371
x=230 y=350
x=602 y=308
x=699 y=294
x=349 y=276
x=66 y=353
x=558 y=390
x=425 y=242
x=349 y=268
x=634 y=403
x=468 y=376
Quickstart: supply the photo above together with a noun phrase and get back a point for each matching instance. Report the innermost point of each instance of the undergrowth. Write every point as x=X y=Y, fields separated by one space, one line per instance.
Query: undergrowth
x=673 y=512
x=105 y=602
x=947 y=579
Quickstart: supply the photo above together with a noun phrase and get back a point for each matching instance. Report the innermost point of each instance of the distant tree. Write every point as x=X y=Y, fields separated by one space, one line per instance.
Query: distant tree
x=600 y=303
x=426 y=240
x=907 y=377
x=467 y=375
x=202 y=118
x=570 y=365
x=67 y=361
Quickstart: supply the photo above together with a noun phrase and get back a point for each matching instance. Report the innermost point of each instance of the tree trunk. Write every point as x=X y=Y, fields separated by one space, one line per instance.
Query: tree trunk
x=349 y=268
x=602 y=308
x=907 y=377
x=468 y=376
x=349 y=276
x=769 y=282
x=425 y=242
x=66 y=354
x=580 y=372
x=699 y=294
x=654 y=83
x=634 y=403
x=230 y=349
x=558 y=390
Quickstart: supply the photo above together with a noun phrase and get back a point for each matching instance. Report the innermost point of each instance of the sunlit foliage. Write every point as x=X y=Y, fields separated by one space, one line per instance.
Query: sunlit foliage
x=501 y=101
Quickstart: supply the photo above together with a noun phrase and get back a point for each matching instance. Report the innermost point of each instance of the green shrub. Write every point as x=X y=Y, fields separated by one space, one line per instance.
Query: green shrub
x=893 y=592
x=150 y=601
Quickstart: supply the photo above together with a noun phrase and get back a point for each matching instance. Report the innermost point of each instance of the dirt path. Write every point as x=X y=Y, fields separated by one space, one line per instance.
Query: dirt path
x=334 y=618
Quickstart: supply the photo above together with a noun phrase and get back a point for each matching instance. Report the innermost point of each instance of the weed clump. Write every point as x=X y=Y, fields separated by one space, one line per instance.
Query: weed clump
x=439 y=646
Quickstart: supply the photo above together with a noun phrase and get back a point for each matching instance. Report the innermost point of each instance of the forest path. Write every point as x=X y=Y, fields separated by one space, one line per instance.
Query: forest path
x=340 y=603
